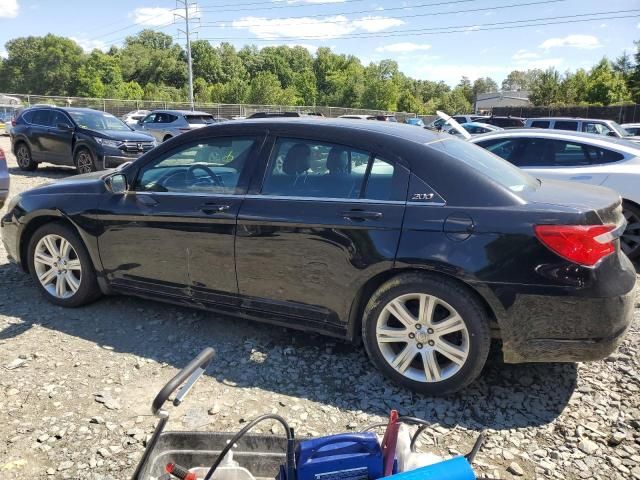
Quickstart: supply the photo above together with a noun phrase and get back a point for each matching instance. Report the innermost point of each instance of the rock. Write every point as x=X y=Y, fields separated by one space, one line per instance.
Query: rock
x=66 y=465
x=17 y=363
x=12 y=391
x=97 y=420
x=617 y=438
x=587 y=446
x=515 y=469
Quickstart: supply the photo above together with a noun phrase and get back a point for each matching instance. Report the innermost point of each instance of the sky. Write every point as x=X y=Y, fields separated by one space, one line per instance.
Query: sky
x=430 y=39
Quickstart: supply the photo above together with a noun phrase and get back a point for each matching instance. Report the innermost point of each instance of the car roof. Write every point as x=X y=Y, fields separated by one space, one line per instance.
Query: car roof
x=573 y=119
x=590 y=138
x=395 y=129
x=181 y=112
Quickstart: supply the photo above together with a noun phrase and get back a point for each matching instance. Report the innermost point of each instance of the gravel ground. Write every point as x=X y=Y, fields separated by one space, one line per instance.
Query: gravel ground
x=76 y=386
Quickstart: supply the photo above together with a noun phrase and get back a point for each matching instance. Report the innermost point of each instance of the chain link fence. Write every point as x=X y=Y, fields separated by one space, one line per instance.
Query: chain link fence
x=230 y=111
x=620 y=113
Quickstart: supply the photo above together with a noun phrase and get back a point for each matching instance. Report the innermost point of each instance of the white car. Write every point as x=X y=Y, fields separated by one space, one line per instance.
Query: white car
x=632 y=128
x=577 y=157
x=132 y=118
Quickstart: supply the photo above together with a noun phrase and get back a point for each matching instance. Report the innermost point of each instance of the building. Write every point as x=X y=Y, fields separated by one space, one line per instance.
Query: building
x=486 y=102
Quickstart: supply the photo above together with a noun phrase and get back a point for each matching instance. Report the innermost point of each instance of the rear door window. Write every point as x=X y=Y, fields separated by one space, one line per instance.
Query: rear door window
x=310 y=168
x=540 y=124
x=199 y=119
x=565 y=125
x=41 y=117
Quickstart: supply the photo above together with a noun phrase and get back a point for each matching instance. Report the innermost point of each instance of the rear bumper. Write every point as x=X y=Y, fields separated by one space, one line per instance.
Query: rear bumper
x=572 y=329
x=564 y=324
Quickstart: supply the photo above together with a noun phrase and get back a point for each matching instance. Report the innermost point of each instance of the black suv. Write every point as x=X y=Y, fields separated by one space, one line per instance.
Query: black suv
x=87 y=139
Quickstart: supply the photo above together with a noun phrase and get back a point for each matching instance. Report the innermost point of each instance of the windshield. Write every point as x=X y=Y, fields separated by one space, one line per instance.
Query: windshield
x=619 y=130
x=487 y=163
x=98 y=121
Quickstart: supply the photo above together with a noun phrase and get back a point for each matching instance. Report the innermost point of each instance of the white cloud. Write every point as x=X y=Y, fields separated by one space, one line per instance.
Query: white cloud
x=312 y=28
x=524 y=55
x=152 y=16
x=89 y=45
x=4 y=54
x=403 y=47
x=377 y=24
x=573 y=41
x=9 y=8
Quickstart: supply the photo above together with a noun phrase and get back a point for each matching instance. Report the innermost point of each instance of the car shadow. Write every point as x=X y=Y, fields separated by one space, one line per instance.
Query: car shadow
x=50 y=172
x=289 y=362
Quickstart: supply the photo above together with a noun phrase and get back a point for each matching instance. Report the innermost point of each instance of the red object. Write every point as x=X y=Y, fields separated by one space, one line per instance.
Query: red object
x=582 y=244
x=13 y=122
x=389 y=442
x=180 y=472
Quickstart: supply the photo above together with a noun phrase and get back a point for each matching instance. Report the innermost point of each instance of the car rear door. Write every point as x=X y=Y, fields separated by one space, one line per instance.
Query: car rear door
x=56 y=142
x=326 y=218
x=38 y=127
x=173 y=234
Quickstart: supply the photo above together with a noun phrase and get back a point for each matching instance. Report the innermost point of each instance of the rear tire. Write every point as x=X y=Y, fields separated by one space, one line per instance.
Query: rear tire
x=630 y=240
x=426 y=333
x=61 y=267
x=84 y=160
x=24 y=158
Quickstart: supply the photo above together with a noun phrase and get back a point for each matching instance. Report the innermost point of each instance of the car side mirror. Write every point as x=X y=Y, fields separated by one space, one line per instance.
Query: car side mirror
x=117 y=183
x=611 y=134
x=65 y=127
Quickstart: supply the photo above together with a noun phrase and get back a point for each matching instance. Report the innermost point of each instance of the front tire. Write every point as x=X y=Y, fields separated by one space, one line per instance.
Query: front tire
x=24 y=158
x=84 y=161
x=60 y=265
x=630 y=240
x=426 y=333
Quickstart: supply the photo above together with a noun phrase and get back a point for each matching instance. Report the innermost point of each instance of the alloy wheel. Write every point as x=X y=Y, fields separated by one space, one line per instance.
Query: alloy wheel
x=422 y=337
x=57 y=266
x=630 y=239
x=85 y=162
x=23 y=157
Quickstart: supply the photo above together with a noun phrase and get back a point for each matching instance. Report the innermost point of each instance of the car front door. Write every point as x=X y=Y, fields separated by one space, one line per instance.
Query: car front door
x=326 y=218
x=173 y=232
x=56 y=142
x=148 y=125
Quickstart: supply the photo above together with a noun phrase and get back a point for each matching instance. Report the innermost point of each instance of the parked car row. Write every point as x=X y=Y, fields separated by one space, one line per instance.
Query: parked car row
x=419 y=243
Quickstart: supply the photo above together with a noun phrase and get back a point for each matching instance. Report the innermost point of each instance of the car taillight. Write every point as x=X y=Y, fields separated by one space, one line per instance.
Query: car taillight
x=582 y=244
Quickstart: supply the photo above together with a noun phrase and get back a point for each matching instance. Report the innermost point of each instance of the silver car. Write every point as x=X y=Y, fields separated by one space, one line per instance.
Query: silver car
x=588 y=125
x=4 y=178
x=166 y=124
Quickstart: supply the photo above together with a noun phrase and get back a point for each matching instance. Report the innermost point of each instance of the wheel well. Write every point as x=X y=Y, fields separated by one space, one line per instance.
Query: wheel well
x=30 y=229
x=167 y=137
x=367 y=290
x=630 y=202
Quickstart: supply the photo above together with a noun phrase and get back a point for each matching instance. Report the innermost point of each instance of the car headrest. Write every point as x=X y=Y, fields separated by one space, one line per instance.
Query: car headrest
x=297 y=160
x=337 y=161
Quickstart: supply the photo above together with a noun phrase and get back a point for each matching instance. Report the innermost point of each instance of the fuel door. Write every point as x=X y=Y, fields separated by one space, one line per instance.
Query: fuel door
x=458 y=227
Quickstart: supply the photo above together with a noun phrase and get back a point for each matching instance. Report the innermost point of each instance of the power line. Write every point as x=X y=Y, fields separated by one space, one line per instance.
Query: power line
x=346 y=20
x=450 y=28
x=275 y=7
x=311 y=4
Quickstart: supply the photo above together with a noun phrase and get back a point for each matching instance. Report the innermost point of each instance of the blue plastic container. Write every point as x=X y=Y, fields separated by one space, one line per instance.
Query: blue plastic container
x=456 y=468
x=346 y=456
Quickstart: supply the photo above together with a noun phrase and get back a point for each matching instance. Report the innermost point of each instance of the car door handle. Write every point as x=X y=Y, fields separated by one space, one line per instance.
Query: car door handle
x=213 y=208
x=581 y=177
x=361 y=215
x=147 y=200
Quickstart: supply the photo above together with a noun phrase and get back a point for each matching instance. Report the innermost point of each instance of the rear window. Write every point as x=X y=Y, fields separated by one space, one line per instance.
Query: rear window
x=199 y=119
x=564 y=125
x=487 y=163
x=540 y=124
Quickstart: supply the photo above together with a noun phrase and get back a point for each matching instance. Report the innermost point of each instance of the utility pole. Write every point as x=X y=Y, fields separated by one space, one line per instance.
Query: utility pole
x=179 y=4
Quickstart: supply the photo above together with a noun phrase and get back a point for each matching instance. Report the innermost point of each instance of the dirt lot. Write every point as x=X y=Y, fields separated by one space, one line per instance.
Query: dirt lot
x=76 y=386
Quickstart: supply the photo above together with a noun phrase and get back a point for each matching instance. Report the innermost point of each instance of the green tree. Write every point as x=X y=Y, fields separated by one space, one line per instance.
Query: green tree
x=605 y=85
x=381 y=90
x=467 y=89
x=265 y=89
x=520 y=80
x=236 y=91
x=545 y=89
x=207 y=62
x=483 y=85
x=41 y=65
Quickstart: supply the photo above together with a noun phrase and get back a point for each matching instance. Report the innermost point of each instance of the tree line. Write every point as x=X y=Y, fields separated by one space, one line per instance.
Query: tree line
x=151 y=66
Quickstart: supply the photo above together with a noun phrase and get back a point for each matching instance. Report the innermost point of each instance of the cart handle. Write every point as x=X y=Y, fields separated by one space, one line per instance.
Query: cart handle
x=195 y=368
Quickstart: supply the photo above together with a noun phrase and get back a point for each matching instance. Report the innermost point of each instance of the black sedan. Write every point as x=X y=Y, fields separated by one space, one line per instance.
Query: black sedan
x=420 y=244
